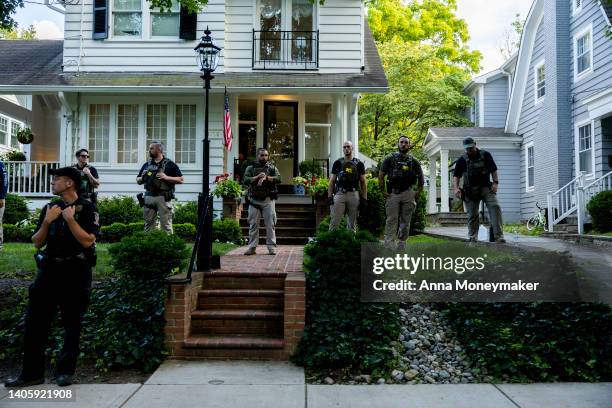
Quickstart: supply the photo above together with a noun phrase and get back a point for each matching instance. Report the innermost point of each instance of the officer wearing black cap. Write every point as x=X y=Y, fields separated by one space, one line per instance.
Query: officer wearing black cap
x=480 y=182
x=67 y=230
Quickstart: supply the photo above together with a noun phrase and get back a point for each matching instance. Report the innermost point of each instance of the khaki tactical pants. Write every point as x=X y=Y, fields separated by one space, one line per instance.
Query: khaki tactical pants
x=1 y=230
x=399 y=209
x=268 y=210
x=155 y=206
x=345 y=203
x=472 y=206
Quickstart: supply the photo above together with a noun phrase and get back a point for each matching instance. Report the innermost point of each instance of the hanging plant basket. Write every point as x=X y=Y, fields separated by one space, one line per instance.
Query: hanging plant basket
x=25 y=136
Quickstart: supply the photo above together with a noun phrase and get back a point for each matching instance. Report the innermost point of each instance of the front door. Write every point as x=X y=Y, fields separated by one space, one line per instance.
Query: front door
x=280 y=136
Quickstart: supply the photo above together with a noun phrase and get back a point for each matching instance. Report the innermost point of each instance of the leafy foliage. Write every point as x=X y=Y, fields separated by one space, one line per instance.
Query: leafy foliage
x=227 y=230
x=308 y=168
x=600 y=208
x=18 y=233
x=524 y=342
x=341 y=331
x=373 y=218
x=7 y=9
x=228 y=188
x=186 y=213
x=18 y=33
x=319 y=188
x=123 y=209
x=419 y=216
x=16 y=209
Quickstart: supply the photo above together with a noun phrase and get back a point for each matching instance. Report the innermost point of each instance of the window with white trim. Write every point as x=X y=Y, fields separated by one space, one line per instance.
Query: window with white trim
x=540 y=81
x=585 y=148
x=127 y=18
x=98 y=134
x=157 y=124
x=127 y=134
x=577 y=5
x=4 y=134
x=134 y=19
x=185 y=134
x=166 y=24
x=15 y=127
x=583 y=49
x=530 y=167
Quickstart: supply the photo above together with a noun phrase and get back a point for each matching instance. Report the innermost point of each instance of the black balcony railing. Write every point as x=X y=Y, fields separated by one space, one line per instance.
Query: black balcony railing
x=285 y=50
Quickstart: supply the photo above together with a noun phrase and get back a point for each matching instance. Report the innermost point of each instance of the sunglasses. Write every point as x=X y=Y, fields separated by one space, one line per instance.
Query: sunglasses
x=84 y=155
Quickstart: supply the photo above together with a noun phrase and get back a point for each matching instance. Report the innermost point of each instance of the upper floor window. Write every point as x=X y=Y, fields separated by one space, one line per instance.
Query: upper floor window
x=540 y=81
x=577 y=5
x=134 y=19
x=583 y=53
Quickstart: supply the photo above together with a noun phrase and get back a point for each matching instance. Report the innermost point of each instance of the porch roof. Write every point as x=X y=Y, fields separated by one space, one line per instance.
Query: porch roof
x=36 y=67
x=452 y=138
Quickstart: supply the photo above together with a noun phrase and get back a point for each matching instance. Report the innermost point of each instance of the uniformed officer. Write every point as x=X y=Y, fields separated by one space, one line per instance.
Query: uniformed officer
x=89 y=176
x=159 y=176
x=348 y=181
x=403 y=172
x=261 y=179
x=480 y=182
x=68 y=232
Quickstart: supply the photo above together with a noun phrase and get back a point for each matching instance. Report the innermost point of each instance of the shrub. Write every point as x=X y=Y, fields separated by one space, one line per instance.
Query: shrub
x=319 y=188
x=15 y=209
x=373 y=219
x=185 y=231
x=311 y=168
x=19 y=233
x=419 y=216
x=186 y=212
x=12 y=310
x=227 y=230
x=536 y=341
x=14 y=155
x=114 y=232
x=600 y=208
x=228 y=188
x=324 y=225
x=134 y=227
x=341 y=331
x=123 y=209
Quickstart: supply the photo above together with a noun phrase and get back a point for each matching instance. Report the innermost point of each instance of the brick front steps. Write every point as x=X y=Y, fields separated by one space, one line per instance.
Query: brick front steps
x=251 y=308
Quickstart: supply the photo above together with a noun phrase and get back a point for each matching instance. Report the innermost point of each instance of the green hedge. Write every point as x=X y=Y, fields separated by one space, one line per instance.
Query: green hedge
x=186 y=213
x=122 y=209
x=18 y=233
x=342 y=332
x=116 y=231
x=227 y=230
x=600 y=208
x=15 y=209
x=524 y=342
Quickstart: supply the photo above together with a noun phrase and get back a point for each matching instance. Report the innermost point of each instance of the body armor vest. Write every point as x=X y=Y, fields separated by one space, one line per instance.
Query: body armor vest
x=477 y=173
x=403 y=174
x=86 y=186
x=149 y=176
x=348 y=177
x=267 y=188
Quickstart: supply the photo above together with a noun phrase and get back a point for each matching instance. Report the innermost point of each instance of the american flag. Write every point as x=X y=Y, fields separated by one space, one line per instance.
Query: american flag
x=227 y=127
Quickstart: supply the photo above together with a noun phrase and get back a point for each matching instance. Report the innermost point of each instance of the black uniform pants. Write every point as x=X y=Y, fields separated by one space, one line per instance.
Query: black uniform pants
x=67 y=287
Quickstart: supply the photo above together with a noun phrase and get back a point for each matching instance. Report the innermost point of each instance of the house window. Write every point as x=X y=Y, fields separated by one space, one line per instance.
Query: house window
x=127 y=133
x=185 y=134
x=166 y=24
x=127 y=18
x=4 y=131
x=157 y=124
x=585 y=148
x=317 y=131
x=583 y=51
x=15 y=126
x=98 y=137
x=530 y=163
x=577 y=5
x=540 y=80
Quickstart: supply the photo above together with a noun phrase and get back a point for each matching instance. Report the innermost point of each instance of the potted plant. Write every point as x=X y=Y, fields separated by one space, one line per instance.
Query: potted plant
x=299 y=185
x=318 y=190
x=231 y=191
x=25 y=136
x=14 y=155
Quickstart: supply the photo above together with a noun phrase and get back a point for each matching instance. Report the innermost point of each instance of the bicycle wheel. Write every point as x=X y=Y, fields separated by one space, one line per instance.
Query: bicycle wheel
x=533 y=223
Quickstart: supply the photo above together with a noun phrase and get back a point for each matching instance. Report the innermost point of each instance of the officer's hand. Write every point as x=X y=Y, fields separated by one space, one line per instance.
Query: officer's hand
x=68 y=213
x=86 y=171
x=457 y=193
x=330 y=200
x=161 y=176
x=1 y=203
x=494 y=188
x=261 y=175
x=52 y=213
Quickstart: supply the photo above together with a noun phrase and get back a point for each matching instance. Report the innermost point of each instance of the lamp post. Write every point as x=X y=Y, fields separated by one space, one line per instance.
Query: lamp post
x=208 y=57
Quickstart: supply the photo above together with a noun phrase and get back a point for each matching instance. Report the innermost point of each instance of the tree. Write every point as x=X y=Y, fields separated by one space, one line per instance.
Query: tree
x=18 y=34
x=7 y=9
x=512 y=37
x=423 y=49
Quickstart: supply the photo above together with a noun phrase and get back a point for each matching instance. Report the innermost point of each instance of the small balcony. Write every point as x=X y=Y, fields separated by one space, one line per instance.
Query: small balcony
x=30 y=178
x=285 y=50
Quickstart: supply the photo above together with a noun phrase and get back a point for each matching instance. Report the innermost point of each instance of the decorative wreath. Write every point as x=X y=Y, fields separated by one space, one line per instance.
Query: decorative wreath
x=25 y=136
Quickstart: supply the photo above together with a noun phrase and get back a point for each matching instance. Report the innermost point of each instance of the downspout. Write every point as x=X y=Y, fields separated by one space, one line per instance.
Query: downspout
x=54 y=8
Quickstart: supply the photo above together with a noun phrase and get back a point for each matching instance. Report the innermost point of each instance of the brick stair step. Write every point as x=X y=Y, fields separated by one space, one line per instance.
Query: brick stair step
x=234 y=342
x=284 y=231
x=240 y=299
x=228 y=314
x=242 y=292
x=244 y=280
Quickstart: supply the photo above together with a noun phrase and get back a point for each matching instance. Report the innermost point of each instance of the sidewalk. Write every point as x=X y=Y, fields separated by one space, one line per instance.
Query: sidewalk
x=225 y=384
x=596 y=263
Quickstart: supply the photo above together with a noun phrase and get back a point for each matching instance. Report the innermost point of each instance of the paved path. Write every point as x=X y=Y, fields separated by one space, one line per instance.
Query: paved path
x=210 y=384
x=596 y=262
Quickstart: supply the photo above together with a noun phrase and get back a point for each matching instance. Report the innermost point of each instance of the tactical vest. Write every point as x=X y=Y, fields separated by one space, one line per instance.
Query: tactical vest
x=86 y=186
x=149 y=177
x=348 y=177
x=267 y=188
x=403 y=173
x=477 y=172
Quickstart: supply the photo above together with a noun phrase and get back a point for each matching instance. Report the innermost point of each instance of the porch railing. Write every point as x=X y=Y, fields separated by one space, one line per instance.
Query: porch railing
x=285 y=50
x=30 y=178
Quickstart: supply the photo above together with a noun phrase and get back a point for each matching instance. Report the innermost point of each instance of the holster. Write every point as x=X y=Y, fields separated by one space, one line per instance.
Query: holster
x=140 y=198
x=40 y=257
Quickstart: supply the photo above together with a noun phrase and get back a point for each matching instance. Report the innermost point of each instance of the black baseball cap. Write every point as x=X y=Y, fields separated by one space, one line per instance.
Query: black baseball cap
x=468 y=142
x=69 y=172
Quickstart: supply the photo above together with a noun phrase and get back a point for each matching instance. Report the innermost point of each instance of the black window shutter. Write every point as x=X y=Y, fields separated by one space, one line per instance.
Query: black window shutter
x=188 y=24
x=100 y=19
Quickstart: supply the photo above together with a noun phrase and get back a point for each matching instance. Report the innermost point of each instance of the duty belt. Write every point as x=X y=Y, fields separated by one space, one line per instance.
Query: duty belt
x=152 y=194
x=347 y=190
x=399 y=191
x=64 y=259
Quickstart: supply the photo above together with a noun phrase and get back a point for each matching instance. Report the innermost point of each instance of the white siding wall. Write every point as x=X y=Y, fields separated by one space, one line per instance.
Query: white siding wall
x=340 y=29
x=134 y=55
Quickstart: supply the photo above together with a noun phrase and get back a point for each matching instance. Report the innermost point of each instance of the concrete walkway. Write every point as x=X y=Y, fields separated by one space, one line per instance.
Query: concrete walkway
x=223 y=384
x=595 y=262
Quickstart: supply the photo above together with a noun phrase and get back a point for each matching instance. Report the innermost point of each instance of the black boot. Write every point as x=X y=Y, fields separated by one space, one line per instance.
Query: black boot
x=23 y=382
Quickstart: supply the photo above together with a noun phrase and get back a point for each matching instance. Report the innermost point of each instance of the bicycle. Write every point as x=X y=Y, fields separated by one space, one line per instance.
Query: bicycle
x=538 y=220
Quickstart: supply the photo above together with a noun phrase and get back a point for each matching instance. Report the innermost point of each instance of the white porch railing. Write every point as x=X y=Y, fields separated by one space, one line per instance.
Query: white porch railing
x=574 y=197
x=30 y=178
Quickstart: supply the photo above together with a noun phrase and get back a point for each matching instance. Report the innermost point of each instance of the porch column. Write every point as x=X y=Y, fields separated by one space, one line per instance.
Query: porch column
x=354 y=124
x=433 y=191
x=335 y=150
x=444 y=180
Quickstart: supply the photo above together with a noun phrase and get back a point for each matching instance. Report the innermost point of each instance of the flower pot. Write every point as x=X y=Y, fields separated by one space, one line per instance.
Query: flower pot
x=232 y=208
x=321 y=209
x=299 y=189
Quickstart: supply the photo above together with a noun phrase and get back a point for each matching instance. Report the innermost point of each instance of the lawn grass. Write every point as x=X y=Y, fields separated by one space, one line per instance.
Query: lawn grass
x=17 y=260
x=521 y=229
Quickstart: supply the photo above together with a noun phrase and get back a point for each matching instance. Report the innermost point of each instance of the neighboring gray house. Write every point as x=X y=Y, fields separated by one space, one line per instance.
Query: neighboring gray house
x=559 y=108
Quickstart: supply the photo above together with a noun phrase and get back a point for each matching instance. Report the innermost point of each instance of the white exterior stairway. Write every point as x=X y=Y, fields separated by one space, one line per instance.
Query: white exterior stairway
x=572 y=199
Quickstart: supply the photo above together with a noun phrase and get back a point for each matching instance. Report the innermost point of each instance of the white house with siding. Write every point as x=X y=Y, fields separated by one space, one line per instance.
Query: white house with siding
x=550 y=106
x=126 y=74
